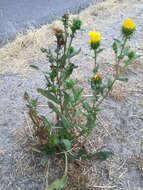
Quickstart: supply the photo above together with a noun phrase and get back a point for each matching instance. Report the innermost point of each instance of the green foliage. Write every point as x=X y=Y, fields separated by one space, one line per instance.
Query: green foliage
x=97 y=156
x=65 y=98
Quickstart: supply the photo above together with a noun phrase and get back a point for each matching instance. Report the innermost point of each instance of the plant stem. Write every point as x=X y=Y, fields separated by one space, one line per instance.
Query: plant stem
x=58 y=80
x=117 y=72
x=72 y=37
x=119 y=57
x=95 y=56
x=66 y=36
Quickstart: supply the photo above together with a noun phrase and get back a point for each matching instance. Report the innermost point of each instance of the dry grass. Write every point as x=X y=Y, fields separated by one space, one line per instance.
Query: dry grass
x=16 y=55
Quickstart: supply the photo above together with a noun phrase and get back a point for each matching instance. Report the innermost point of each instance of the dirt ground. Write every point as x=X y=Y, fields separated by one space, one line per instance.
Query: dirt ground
x=120 y=124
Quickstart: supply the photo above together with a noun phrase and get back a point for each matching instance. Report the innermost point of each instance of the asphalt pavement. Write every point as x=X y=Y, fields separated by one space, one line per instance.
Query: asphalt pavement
x=19 y=15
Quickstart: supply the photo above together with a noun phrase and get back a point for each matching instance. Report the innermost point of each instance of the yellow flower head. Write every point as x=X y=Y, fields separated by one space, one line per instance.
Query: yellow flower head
x=128 y=27
x=94 y=37
x=97 y=76
x=129 y=24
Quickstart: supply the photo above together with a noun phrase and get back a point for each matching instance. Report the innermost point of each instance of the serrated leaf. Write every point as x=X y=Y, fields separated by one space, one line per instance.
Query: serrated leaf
x=48 y=95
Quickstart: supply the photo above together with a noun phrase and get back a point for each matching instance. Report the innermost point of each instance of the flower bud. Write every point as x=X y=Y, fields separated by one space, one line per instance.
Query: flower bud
x=97 y=76
x=76 y=24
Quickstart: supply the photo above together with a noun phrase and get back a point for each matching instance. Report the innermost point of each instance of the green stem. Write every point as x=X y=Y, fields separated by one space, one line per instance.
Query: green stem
x=65 y=43
x=119 y=57
x=117 y=72
x=95 y=56
x=70 y=43
x=58 y=80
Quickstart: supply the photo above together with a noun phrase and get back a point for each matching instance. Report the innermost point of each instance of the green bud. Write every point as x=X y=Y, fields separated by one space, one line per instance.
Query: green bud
x=70 y=83
x=44 y=50
x=131 y=55
x=76 y=24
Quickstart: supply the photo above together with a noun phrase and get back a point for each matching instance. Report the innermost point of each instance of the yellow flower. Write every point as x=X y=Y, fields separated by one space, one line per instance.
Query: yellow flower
x=94 y=37
x=97 y=76
x=128 y=27
x=129 y=24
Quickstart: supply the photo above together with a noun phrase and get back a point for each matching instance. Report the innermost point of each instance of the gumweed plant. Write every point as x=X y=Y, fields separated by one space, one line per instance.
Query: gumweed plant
x=66 y=99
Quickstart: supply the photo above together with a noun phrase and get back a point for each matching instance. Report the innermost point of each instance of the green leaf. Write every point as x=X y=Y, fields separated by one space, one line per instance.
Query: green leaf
x=100 y=50
x=87 y=107
x=46 y=121
x=115 y=48
x=59 y=183
x=66 y=101
x=44 y=50
x=26 y=96
x=122 y=79
x=48 y=95
x=77 y=94
x=74 y=52
x=34 y=102
x=37 y=68
x=125 y=51
x=67 y=143
x=110 y=82
x=34 y=67
x=65 y=123
x=68 y=71
x=63 y=118
x=70 y=83
x=103 y=155
x=53 y=74
x=76 y=113
x=48 y=81
x=116 y=40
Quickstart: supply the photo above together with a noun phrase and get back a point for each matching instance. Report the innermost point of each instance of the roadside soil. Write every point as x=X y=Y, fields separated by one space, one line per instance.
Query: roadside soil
x=120 y=124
